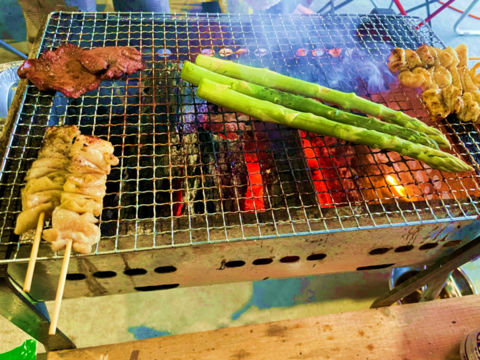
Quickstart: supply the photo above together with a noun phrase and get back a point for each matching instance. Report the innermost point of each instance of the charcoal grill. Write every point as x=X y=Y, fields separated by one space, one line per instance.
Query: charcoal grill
x=203 y=195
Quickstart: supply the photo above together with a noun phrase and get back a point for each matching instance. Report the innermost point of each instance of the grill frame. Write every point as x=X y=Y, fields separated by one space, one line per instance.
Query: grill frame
x=403 y=216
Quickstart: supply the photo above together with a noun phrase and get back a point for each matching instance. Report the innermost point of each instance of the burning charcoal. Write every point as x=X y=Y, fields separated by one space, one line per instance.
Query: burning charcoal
x=335 y=52
x=300 y=52
x=241 y=51
x=208 y=52
x=283 y=168
x=225 y=52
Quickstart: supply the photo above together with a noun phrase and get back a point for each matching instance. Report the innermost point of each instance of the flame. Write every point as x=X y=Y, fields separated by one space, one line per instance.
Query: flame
x=399 y=189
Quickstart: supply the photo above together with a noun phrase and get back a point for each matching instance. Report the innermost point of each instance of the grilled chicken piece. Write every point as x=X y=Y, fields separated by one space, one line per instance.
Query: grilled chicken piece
x=28 y=219
x=412 y=59
x=52 y=181
x=396 y=61
x=434 y=102
x=79 y=165
x=53 y=163
x=433 y=52
x=412 y=80
x=453 y=70
x=441 y=76
x=81 y=203
x=445 y=57
x=54 y=150
x=452 y=99
x=87 y=180
x=454 y=55
x=468 y=84
x=462 y=53
x=425 y=55
x=32 y=200
x=95 y=150
x=419 y=77
x=86 y=184
x=69 y=225
x=64 y=134
x=471 y=110
x=408 y=79
x=473 y=74
x=35 y=173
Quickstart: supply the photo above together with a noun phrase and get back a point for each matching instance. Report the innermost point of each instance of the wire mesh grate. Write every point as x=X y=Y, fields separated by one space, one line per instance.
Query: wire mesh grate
x=193 y=173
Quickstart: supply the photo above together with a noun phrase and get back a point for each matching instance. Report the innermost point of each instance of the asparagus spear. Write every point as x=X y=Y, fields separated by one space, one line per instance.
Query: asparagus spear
x=271 y=79
x=194 y=74
x=223 y=95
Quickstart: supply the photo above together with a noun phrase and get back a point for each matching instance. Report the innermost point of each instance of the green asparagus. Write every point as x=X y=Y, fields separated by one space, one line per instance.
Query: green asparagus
x=271 y=79
x=223 y=95
x=194 y=74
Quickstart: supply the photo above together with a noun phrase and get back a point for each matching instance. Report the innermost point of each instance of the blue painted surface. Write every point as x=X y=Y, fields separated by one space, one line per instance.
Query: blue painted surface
x=278 y=293
x=143 y=332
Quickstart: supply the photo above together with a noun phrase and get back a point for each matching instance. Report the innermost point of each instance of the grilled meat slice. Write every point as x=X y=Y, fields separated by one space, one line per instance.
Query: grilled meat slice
x=112 y=62
x=74 y=71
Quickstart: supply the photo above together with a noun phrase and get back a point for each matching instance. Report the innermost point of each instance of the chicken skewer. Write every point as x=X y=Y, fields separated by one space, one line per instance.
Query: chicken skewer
x=74 y=220
x=44 y=187
x=449 y=86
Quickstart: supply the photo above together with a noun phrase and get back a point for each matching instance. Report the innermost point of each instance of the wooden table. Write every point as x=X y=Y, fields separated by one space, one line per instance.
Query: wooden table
x=431 y=330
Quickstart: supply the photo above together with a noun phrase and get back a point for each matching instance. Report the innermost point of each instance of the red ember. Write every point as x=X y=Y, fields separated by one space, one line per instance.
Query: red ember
x=300 y=52
x=335 y=52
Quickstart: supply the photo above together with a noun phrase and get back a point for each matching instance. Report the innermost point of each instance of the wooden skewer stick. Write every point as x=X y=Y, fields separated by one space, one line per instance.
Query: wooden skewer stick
x=474 y=58
x=33 y=255
x=60 y=288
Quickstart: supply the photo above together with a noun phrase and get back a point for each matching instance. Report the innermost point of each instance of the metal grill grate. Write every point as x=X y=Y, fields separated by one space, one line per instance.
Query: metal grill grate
x=192 y=173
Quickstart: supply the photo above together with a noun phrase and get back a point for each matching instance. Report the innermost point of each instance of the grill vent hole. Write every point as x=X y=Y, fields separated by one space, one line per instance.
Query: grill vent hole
x=234 y=264
x=374 y=267
x=74 y=277
x=105 y=274
x=262 y=261
x=289 y=259
x=314 y=257
x=135 y=272
x=452 y=243
x=165 y=269
x=157 y=287
x=428 y=246
x=379 y=251
x=404 y=248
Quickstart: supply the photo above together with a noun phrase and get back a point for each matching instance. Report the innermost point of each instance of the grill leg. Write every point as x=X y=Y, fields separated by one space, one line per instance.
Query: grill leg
x=432 y=275
x=464 y=15
x=22 y=312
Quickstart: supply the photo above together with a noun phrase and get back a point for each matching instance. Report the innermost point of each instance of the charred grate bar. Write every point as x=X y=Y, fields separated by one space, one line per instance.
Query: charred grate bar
x=193 y=173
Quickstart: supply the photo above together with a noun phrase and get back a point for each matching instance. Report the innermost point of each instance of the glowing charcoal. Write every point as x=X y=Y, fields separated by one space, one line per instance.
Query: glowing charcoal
x=300 y=52
x=399 y=189
x=164 y=52
x=208 y=52
x=261 y=52
x=241 y=51
x=225 y=52
x=335 y=52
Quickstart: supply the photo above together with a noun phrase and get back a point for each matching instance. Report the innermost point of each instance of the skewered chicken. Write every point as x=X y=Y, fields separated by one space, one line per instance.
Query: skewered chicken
x=67 y=224
x=90 y=160
x=45 y=178
x=444 y=77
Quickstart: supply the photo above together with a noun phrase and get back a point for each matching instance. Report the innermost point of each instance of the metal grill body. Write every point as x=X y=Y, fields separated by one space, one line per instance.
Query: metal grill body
x=201 y=189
